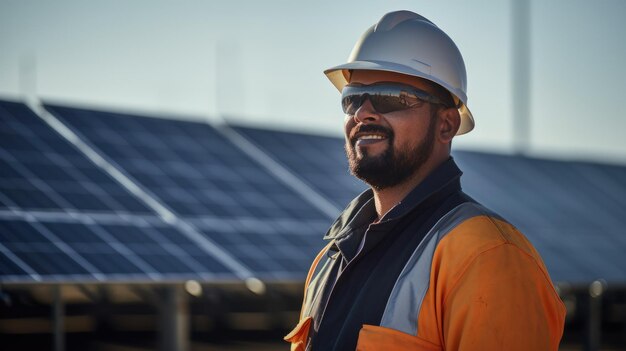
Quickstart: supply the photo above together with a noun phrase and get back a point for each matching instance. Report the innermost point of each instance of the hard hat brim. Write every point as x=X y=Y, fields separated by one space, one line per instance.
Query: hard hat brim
x=340 y=77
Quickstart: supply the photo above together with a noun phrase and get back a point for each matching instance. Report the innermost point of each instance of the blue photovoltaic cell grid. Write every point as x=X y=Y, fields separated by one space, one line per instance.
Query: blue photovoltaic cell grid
x=40 y=170
x=318 y=160
x=56 y=250
x=276 y=249
x=203 y=178
x=188 y=166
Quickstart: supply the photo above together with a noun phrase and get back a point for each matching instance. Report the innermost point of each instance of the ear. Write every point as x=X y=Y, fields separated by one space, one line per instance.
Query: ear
x=449 y=122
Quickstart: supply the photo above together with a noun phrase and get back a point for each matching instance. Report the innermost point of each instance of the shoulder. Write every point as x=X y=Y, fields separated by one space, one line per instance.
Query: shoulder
x=484 y=231
x=483 y=272
x=479 y=230
x=486 y=241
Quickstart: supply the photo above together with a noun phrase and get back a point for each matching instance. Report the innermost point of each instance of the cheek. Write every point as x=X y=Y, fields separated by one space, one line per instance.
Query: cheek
x=348 y=124
x=409 y=134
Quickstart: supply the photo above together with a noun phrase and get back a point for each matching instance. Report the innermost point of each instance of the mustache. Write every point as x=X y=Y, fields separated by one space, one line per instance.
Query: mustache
x=369 y=128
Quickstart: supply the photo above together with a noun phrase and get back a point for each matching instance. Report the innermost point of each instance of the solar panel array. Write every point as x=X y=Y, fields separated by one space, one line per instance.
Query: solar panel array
x=40 y=170
x=64 y=218
x=70 y=249
x=188 y=166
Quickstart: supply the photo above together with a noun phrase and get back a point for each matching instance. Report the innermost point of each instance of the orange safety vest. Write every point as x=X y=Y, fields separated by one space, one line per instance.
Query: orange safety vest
x=473 y=283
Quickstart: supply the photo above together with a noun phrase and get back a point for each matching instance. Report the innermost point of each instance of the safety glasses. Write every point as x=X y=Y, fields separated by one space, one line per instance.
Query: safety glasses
x=385 y=97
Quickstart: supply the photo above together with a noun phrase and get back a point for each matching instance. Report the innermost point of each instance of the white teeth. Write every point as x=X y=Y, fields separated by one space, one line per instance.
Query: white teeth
x=371 y=137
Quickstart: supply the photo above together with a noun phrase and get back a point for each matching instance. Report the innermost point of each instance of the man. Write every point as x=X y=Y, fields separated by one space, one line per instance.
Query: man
x=414 y=263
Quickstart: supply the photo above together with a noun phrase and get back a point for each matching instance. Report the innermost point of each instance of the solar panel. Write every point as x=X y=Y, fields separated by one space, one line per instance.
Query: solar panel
x=214 y=187
x=64 y=219
x=188 y=166
x=277 y=249
x=61 y=248
x=319 y=160
x=40 y=170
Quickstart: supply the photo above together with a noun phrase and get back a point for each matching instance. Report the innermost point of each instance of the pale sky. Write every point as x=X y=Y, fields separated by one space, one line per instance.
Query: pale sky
x=263 y=62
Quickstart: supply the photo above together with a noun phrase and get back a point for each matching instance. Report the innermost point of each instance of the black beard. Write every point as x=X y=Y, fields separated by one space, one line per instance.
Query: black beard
x=392 y=167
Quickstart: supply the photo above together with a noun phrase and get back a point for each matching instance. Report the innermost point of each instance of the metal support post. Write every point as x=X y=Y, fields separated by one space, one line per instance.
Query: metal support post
x=594 y=326
x=58 y=313
x=174 y=314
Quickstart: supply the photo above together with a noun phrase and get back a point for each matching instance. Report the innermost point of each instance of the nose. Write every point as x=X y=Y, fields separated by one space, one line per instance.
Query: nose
x=366 y=113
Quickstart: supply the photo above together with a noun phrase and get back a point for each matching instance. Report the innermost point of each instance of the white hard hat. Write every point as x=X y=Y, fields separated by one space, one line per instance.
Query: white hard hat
x=405 y=42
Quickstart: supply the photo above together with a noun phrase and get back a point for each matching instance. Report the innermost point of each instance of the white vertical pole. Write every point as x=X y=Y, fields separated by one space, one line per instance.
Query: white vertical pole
x=27 y=79
x=521 y=74
x=229 y=83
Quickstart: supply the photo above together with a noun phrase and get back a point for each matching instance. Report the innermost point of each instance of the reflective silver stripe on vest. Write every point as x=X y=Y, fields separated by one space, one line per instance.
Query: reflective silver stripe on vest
x=406 y=298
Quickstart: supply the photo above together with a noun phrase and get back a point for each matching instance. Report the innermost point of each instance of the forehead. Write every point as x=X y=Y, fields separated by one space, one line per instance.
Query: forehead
x=368 y=77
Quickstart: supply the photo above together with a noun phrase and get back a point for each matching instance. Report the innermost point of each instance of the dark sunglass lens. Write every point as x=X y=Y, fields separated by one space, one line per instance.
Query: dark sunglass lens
x=351 y=103
x=387 y=103
x=384 y=98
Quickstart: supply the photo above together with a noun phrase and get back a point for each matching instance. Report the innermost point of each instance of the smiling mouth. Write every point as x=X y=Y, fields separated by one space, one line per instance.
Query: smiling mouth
x=368 y=139
x=370 y=134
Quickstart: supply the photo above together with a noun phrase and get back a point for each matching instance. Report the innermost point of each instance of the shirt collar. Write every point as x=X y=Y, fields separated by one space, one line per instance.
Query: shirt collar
x=444 y=180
